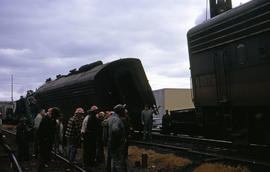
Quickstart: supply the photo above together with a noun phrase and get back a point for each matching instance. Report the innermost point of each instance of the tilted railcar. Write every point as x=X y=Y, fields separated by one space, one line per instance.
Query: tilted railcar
x=230 y=68
x=104 y=85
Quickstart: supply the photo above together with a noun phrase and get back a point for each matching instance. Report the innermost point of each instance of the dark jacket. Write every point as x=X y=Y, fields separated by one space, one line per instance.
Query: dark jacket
x=47 y=129
x=22 y=134
x=166 y=121
x=117 y=137
x=93 y=125
x=73 y=130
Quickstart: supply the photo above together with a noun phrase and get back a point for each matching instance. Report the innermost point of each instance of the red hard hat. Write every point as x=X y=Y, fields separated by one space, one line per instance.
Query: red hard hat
x=93 y=108
x=79 y=110
x=50 y=110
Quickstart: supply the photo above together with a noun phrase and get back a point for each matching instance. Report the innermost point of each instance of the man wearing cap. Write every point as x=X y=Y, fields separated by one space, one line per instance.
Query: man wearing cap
x=73 y=132
x=117 y=140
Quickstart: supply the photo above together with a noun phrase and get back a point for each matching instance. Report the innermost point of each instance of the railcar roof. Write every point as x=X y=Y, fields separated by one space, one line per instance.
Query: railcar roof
x=78 y=78
x=226 y=16
x=71 y=79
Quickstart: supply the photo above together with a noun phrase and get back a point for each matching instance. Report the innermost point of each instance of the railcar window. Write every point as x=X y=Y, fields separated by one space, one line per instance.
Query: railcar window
x=262 y=52
x=241 y=53
x=198 y=81
x=205 y=81
x=220 y=1
x=262 y=49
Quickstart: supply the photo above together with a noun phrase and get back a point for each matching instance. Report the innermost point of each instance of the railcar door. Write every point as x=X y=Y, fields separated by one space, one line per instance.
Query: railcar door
x=224 y=114
x=221 y=77
x=130 y=95
x=127 y=89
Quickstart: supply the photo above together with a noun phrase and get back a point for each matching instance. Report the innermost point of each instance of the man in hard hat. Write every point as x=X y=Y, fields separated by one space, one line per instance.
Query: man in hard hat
x=100 y=158
x=89 y=131
x=73 y=133
x=117 y=139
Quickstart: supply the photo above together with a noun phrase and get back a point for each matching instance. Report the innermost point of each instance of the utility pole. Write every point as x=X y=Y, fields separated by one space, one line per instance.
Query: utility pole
x=12 y=91
x=206 y=10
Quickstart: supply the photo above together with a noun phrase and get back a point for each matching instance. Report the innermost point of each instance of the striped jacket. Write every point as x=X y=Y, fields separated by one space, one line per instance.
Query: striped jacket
x=74 y=127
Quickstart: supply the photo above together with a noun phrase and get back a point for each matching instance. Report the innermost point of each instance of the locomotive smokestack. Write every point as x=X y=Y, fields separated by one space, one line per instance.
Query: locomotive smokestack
x=219 y=6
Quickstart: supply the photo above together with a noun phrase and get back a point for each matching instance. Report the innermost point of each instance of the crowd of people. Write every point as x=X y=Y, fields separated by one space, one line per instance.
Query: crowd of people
x=103 y=136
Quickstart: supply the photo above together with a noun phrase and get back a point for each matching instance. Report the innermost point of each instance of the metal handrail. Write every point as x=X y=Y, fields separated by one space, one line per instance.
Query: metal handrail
x=15 y=164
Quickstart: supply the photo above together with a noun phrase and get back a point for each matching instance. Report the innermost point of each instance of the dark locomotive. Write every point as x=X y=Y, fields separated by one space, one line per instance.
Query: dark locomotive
x=230 y=69
x=104 y=85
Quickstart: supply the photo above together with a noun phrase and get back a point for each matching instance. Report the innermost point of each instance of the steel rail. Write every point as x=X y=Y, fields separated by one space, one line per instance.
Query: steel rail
x=14 y=162
x=210 y=154
x=76 y=167
x=156 y=133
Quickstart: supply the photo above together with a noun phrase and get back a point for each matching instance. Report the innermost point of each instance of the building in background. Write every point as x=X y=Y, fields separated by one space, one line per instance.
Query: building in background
x=6 y=108
x=173 y=99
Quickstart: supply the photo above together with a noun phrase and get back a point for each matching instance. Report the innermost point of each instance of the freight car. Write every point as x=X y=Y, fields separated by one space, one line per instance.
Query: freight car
x=230 y=69
x=105 y=85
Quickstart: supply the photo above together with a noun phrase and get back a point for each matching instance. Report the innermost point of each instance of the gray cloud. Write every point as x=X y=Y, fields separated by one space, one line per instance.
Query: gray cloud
x=51 y=37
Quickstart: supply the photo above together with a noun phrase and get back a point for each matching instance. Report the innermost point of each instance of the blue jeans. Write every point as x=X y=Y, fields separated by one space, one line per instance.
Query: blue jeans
x=108 y=159
x=147 y=131
x=118 y=162
x=71 y=150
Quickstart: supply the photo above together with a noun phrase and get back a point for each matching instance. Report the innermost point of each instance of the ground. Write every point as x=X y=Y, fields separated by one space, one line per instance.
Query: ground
x=159 y=162
x=216 y=167
x=156 y=161
x=162 y=162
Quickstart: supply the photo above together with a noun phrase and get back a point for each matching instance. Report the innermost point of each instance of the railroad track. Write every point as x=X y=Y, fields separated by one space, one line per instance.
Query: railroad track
x=8 y=159
x=251 y=155
x=59 y=163
x=207 y=149
x=182 y=137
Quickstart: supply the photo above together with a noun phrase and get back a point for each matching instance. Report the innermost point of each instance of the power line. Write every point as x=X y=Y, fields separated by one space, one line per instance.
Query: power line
x=10 y=83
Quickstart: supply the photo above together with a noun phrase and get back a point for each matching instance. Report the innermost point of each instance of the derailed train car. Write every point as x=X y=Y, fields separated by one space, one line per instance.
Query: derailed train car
x=230 y=69
x=105 y=85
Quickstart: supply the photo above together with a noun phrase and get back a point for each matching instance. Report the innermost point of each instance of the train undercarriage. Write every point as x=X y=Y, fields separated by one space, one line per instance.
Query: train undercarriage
x=241 y=125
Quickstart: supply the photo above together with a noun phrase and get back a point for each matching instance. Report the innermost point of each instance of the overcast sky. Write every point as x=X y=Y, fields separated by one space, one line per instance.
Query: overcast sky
x=42 y=38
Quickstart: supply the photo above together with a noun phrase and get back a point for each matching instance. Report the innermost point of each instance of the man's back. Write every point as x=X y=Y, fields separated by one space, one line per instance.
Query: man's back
x=92 y=124
x=73 y=127
x=117 y=133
